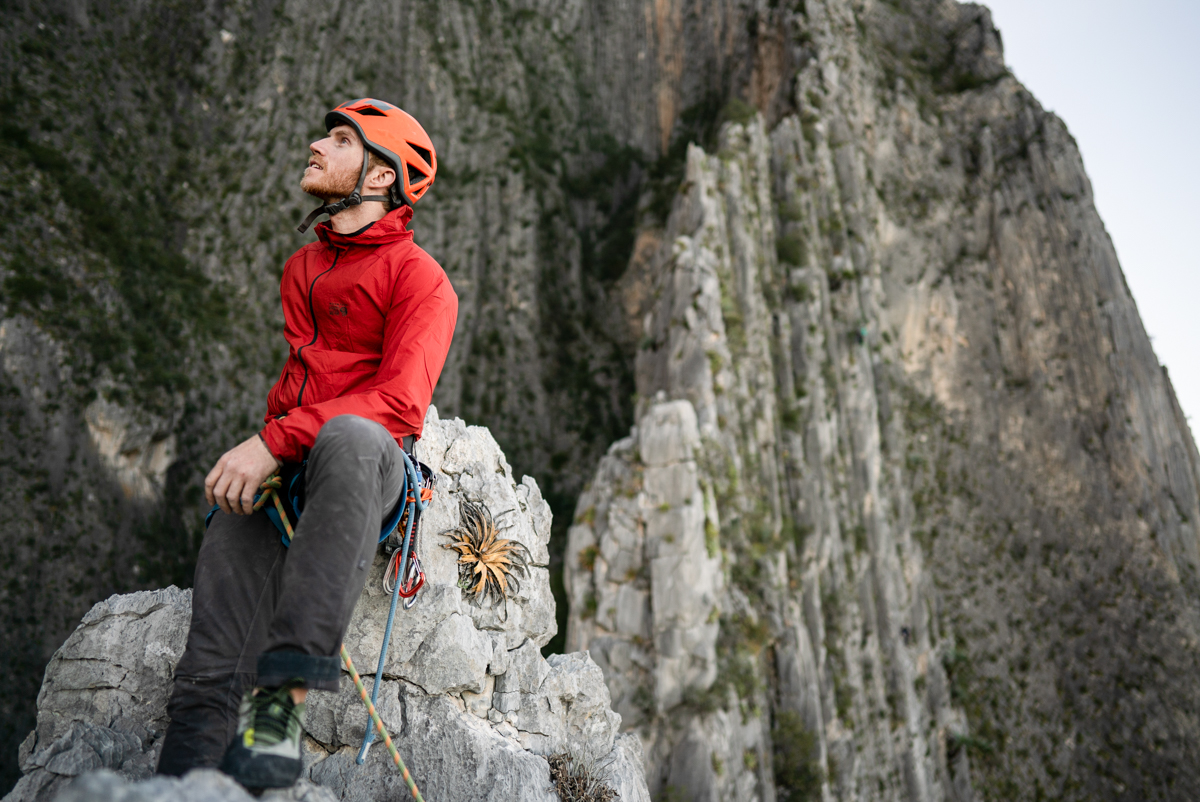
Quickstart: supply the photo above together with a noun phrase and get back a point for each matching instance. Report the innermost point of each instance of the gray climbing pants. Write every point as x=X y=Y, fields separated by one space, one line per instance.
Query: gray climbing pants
x=263 y=614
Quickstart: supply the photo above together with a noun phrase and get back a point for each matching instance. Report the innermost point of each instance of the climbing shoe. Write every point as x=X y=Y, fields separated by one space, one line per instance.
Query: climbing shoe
x=266 y=751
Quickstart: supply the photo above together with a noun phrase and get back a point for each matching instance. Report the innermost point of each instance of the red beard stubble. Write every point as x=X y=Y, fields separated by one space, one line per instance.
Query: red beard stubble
x=329 y=186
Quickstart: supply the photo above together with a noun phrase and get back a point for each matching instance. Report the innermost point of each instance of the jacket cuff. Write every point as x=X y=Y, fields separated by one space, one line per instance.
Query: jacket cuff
x=319 y=672
x=277 y=442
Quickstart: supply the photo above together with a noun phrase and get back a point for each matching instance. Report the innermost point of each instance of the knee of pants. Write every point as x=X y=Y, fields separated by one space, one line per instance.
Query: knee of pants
x=352 y=432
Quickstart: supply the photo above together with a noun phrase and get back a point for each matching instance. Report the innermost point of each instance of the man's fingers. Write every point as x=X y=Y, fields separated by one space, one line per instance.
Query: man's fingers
x=219 y=492
x=248 y=498
x=234 y=480
x=233 y=494
x=210 y=482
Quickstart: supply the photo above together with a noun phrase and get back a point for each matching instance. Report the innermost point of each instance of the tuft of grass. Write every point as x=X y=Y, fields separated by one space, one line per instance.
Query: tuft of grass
x=574 y=780
x=587 y=558
x=712 y=539
x=790 y=249
x=738 y=111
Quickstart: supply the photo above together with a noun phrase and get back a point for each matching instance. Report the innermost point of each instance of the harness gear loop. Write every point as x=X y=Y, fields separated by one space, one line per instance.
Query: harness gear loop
x=387 y=739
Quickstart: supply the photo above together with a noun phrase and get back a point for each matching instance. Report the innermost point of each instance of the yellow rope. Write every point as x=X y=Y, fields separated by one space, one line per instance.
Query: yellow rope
x=270 y=490
x=387 y=739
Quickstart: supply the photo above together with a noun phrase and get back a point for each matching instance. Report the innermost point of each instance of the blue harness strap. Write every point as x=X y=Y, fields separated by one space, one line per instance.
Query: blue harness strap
x=295 y=500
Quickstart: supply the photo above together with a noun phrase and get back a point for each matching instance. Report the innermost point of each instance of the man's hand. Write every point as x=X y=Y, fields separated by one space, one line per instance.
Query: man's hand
x=234 y=480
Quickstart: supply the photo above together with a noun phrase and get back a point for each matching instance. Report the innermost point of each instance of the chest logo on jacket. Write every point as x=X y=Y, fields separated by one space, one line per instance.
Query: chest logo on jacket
x=337 y=309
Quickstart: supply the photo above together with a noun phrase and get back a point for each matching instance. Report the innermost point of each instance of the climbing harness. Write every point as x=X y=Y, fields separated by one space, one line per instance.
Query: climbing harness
x=387 y=739
x=416 y=491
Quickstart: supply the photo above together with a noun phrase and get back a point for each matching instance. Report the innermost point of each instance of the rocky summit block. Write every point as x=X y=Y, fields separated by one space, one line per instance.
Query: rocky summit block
x=469 y=700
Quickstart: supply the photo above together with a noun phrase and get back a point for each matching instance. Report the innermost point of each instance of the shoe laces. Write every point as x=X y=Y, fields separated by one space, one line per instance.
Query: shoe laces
x=274 y=711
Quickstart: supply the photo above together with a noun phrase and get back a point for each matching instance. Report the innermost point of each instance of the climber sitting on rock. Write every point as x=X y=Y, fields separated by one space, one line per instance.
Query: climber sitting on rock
x=368 y=317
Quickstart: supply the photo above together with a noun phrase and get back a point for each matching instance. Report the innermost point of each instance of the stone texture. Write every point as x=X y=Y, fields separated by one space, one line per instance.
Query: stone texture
x=953 y=496
x=151 y=281
x=102 y=706
x=202 y=785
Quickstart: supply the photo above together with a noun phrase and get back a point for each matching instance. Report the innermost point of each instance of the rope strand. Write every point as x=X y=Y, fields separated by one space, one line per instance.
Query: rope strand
x=387 y=739
x=271 y=489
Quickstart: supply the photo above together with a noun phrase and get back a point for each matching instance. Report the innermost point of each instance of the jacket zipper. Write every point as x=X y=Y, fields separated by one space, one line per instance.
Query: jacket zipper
x=312 y=315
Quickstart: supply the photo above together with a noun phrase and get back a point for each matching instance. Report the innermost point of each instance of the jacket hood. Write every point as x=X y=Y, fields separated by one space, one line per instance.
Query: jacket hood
x=392 y=227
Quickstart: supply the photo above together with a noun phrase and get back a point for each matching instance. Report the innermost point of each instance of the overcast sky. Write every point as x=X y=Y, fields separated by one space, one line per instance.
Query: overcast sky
x=1125 y=77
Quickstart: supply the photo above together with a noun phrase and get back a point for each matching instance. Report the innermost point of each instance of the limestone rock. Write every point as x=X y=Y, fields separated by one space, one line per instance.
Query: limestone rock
x=888 y=351
x=953 y=499
x=201 y=785
x=466 y=694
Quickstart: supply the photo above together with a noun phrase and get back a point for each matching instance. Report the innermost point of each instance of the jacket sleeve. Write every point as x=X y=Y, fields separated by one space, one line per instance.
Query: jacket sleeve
x=418 y=328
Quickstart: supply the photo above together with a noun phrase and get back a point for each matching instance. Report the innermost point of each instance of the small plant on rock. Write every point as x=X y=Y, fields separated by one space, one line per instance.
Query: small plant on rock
x=575 y=780
x=489 y=567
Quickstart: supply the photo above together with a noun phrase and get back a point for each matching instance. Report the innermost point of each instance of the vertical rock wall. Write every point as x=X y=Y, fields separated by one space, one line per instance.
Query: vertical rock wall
x=954 y=498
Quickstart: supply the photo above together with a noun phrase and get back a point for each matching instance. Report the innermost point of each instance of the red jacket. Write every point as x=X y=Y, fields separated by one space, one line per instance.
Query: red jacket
x=369 y=320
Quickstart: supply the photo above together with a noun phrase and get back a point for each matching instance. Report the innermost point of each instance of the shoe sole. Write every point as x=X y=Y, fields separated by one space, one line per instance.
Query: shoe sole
x=260 y=771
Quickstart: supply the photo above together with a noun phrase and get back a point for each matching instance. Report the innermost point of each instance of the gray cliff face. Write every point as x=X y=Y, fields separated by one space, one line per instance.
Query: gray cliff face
x=905 y=470
x=151 y=159
x=468 y=698
x=940 y=540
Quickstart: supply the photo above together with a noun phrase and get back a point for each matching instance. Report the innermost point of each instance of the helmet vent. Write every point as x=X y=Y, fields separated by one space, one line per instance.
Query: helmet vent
x=422 y=152
x=414 y=175
x=369 y=111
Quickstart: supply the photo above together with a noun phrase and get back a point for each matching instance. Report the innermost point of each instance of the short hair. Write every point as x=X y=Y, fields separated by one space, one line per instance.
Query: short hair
x=375 y=160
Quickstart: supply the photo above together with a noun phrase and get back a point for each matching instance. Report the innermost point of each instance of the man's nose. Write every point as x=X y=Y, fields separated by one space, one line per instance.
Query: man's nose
x=318 y=147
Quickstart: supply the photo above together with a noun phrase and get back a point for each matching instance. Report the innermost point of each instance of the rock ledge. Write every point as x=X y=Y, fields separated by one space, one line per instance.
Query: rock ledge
x=469 y=699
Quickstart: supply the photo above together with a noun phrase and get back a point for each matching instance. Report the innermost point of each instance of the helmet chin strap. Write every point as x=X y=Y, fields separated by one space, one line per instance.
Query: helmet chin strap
x=354 y=199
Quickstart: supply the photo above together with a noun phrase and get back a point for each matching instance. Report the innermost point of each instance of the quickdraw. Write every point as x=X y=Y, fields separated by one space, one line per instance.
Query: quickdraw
x=414 y=578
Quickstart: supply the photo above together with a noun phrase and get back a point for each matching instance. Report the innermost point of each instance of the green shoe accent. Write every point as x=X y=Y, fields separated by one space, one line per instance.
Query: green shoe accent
x=266 y=751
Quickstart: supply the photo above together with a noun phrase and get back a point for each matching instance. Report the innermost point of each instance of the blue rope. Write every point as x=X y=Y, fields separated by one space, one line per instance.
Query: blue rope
x=411 y=479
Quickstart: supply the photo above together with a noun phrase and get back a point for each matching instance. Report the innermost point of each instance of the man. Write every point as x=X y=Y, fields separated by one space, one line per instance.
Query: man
x=369 y=317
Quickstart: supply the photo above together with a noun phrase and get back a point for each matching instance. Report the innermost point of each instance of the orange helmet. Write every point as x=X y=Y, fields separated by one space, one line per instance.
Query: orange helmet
x=395 y=136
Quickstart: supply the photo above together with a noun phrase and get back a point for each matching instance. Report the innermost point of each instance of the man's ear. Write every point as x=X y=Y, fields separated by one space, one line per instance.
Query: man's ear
x=380 y=178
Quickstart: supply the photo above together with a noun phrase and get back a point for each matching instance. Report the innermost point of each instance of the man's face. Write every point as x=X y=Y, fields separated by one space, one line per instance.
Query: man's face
x=333 y=168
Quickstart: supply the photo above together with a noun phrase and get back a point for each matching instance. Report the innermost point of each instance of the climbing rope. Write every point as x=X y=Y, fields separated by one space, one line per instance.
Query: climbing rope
x=270 y=490
x=417 y=499
x=387 y=739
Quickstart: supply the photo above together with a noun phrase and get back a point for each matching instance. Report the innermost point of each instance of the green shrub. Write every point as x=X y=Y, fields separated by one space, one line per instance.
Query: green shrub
x=798 y=774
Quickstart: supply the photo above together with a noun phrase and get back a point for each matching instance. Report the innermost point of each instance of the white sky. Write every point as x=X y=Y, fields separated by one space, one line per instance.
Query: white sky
x=1125 y=77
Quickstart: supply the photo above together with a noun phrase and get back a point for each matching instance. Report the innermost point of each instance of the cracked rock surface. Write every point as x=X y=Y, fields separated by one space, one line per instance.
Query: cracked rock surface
x=468 y=698
x=909 y=511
